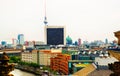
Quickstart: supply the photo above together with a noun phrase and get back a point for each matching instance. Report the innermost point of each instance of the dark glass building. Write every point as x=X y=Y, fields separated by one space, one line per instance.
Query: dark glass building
x=55 y=35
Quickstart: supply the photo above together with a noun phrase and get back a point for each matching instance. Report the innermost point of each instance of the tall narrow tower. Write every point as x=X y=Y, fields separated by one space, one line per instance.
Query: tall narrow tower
x=45 y=18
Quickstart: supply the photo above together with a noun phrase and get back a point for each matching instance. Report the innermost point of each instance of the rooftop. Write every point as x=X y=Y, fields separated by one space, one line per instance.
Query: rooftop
x=105 y=61
x=100 y=73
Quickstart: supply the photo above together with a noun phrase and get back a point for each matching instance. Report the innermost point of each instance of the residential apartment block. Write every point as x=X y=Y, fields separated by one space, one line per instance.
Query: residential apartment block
x=29 y=56
x=60 y=63
x=41 y=57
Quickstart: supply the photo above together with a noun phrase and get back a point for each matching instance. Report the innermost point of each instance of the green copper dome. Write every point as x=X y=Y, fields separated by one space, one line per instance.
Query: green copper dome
x=68 y=40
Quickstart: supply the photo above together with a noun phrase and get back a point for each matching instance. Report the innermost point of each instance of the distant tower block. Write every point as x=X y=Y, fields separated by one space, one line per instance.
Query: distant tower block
x=117 y=34
x=79 y=42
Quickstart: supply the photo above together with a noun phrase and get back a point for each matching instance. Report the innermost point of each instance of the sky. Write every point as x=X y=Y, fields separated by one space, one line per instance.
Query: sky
x=86 y=19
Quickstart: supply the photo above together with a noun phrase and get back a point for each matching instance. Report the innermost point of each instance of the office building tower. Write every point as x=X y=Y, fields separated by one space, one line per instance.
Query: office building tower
x=26 y=43
x=55 y=35
x=21 y=39
x=14 y=41
x=79 y=42
x=106 y=41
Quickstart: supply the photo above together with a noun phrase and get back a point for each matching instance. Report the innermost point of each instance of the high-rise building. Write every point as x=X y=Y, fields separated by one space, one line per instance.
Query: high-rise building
x=79 y=42
x=14 y=41
x=26 y=43
x=55 y=35
x=106 y=41
x=21 y=39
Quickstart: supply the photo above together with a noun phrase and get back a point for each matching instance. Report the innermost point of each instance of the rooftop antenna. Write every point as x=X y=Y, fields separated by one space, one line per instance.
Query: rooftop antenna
x=45 y=18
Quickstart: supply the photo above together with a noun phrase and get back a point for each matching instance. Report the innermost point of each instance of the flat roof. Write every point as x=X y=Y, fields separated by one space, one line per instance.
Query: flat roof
x=81 y=65
x=80 y=60
x=1 y=52
x=105 y=61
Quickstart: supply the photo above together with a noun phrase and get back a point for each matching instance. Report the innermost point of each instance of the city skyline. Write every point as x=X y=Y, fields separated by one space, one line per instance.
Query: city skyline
x=89 y=19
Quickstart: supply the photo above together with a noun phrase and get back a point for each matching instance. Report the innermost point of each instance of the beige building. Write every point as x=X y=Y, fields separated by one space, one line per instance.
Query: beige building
x=29 y=56
x=41 y=57
x=45 y=56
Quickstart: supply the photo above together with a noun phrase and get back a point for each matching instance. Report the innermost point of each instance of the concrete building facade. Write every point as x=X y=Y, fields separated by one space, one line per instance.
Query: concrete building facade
x=60 y=63
x=41 y=57
x=29 y=56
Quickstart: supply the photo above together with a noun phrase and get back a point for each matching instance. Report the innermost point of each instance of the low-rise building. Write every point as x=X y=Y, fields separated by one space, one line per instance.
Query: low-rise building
x=45 y=55
x=41 y=57
x=28 y=56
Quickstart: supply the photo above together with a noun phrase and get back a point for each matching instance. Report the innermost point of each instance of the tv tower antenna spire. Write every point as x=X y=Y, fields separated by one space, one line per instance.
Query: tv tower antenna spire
x=45 y=18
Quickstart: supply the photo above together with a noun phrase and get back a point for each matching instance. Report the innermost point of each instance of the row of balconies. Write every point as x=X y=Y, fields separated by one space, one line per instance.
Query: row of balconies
x=60 y=68
x=60 y=63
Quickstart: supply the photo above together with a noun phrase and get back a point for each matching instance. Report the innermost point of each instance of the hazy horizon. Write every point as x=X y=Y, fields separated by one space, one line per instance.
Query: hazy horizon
x=86 y=19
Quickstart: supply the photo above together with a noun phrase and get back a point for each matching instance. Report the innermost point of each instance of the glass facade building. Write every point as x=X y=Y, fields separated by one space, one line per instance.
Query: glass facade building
x=55 y=35
x=21 y=39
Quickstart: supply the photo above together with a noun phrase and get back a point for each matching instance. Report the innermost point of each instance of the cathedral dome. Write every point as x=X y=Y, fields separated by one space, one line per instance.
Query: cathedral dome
x=68 y=40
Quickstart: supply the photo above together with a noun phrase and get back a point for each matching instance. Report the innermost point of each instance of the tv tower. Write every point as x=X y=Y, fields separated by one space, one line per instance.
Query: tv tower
x=45 y=18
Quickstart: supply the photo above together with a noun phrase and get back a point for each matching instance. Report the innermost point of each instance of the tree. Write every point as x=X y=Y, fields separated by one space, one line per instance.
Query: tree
x=14 y=59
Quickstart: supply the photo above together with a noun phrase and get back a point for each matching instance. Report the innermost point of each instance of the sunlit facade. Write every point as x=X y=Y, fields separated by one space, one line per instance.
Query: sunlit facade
x=60 y=63
x=41 y=57
x=45 y=55
x=29 y=56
